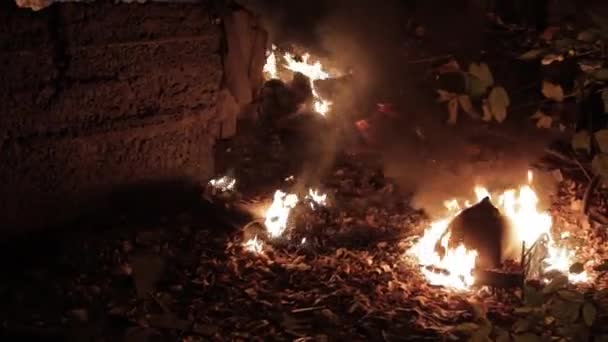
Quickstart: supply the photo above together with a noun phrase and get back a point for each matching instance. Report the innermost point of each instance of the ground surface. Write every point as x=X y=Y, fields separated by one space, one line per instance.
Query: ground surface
x=187 y=276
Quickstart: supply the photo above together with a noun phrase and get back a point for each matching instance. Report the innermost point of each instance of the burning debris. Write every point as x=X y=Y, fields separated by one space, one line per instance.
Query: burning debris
x=304 y=75
x=454 y=244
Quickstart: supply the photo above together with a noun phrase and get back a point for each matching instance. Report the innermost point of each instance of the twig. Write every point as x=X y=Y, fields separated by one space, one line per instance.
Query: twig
x=588 y=191
x=560 y=156
x=428 y=59
x=582 y=168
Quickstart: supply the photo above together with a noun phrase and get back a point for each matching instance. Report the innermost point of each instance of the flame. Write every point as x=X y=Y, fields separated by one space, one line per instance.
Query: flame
x=270 y=68
x=314 y=71
x=316 y=198
x=223 y=184
x=528 y=224
x=254 y=245
x=278 y=213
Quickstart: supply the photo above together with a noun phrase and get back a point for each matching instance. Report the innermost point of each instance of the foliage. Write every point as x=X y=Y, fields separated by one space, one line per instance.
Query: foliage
x=478 y=87
x=550 y=313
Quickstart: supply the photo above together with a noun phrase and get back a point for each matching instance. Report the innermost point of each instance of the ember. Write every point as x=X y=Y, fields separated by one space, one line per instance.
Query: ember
x=254 y=245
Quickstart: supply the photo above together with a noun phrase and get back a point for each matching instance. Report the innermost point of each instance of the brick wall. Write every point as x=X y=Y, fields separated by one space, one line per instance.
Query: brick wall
x=98 y=96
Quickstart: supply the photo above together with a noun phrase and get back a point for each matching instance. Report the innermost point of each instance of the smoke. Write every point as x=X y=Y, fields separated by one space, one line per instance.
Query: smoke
x=371 y=37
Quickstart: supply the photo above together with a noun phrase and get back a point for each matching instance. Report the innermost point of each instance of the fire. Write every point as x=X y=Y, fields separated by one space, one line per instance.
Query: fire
x=278 y=213
x=314 y=71
x=270 y=68
x=254 y=245
x=223 y=184
x=527 y=221
x=316 y=198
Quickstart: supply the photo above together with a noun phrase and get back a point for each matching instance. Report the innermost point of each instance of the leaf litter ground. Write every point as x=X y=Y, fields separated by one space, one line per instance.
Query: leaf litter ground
x=187 y=277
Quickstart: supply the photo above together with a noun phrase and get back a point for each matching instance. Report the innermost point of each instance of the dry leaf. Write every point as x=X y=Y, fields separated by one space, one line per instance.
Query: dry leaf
x=543 y=120
x=499 y=101
x=452 y=111
x=444 y=95
x=487 y=113
x=467 y=106
x=553 y=91
x=550 y=58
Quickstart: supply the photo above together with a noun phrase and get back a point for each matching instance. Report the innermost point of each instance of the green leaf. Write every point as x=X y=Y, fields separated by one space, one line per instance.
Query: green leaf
x=581 y=141
x=599 y=165
x=553 y=91
x=483 y=73
x=527 y=337
x=531 y=55
x=589 y=314
x=571 y=296
x=533 y=297
x=474 y=87
x=600 y=74
x=577 y=268
x=499 y=101
x=557 y=283
x=601 y=137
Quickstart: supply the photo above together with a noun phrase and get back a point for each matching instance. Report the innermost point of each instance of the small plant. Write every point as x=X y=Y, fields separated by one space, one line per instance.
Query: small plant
x=477 y=87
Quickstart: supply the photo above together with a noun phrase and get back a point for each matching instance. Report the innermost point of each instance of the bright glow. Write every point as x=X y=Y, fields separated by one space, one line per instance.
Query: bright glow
x=314 y=71
x=254 y=245
x=303 y=241
x=270 y=68
x=223 y=184
x=278 y=213
x=316 y=198
x=527 y=222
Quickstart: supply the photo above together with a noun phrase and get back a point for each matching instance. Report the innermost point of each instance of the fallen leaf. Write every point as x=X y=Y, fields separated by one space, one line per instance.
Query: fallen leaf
x=550 y=58
x=549 y=33
x=589 y=314
x=587 y=36
x=553 y=91
x=531 y=55
x=467 y=106
x=577 y=268
x=451 y=66
x=599 y=165
x=527 y=337
x=487 y=113
x=601 y=137
x=452 y=111
x=444 y=95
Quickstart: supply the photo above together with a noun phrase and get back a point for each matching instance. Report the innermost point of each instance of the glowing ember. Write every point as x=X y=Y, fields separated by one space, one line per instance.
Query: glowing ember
x=278 y=213
x=528 y=225
x=316 y=198
x=314 y=71
x=254 y=245
x=223 y=184
x=270 y=68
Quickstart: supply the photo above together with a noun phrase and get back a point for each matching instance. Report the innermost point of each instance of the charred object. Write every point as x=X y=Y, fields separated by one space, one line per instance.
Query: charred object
x=481 y=228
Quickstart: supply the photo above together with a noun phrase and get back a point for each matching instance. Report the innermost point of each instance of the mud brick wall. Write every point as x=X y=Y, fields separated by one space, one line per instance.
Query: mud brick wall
x=100 y=95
